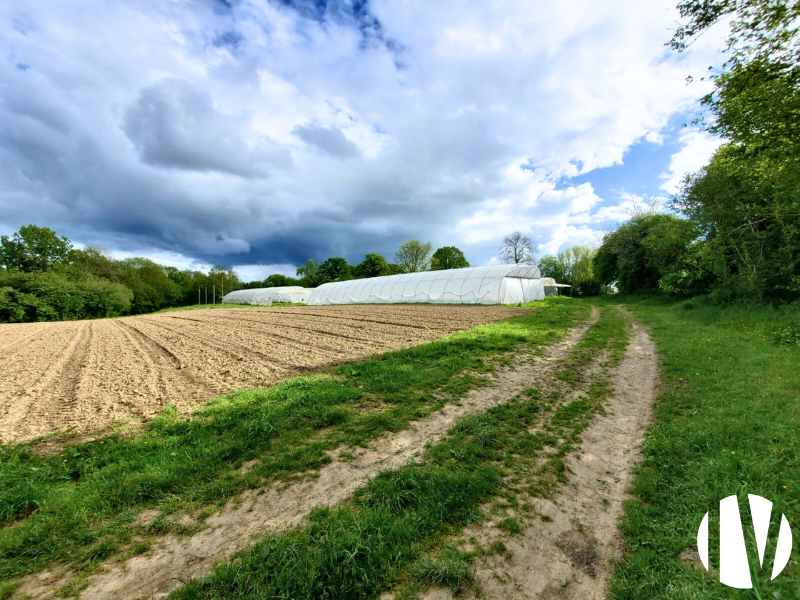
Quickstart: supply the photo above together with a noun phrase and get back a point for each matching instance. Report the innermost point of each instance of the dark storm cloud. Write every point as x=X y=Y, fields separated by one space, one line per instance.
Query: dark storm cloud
x=175 y=124
x=327 y=139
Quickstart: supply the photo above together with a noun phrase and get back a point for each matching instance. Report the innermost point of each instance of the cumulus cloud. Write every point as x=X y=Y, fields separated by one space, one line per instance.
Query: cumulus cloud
x=698 y=148
x=219 y=131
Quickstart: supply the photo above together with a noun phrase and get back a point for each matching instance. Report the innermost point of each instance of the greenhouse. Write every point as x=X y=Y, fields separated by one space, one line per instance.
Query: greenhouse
x=499 y=284
x=266 y=296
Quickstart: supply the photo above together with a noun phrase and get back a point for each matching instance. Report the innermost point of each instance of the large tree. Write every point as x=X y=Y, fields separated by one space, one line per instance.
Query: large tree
x=517 y=249
x=335 y=269
x=448 y=257
x=309 y=273
x=34 y=248
x=373 y=265
x=413 y=256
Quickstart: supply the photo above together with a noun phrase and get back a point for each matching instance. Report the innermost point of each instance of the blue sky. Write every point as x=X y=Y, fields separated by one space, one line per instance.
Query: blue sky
x=258 y=134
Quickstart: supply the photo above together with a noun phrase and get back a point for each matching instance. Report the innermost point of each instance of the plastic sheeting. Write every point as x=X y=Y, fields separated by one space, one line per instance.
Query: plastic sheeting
x=500 y=284
x=266 y=296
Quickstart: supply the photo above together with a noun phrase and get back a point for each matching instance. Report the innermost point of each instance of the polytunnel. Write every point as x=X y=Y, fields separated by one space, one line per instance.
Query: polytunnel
x=498 y=284
x=266 y=296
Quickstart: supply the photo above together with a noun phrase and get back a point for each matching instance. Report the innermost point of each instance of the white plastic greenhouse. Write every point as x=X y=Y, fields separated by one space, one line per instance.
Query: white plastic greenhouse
x=266 y=296
x=499 y=284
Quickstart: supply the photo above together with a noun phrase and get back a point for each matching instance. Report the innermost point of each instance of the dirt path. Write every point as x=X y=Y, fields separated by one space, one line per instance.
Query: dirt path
x=568 y=554
x=178 y=558
x=81 y=376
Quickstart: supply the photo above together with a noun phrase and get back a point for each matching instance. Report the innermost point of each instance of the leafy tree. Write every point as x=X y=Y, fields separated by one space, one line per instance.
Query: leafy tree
x=309 y=274
x=97 y=262
x=756 y=97
x=413 y=256
x=573 y=266
x=648 y=253
x=335 y=269
x=278 y=280
x=394 y=269
x=373 y=265
x=517 y=249
x=746 y=206
x=448 y=257
x=34 y=248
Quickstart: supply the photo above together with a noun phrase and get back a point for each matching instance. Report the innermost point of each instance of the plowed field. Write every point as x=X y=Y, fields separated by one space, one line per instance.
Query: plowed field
x=83 y=375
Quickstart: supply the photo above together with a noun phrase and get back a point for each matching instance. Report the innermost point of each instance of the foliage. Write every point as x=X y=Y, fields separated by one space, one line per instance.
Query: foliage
x=747 y=208
x=373 y=265
x=651 y=252
x=517 y=249
x=573 y=266
x=448 y=257
x=309 y=274
x=414 y=256
x=33 y=248
x=335 y=269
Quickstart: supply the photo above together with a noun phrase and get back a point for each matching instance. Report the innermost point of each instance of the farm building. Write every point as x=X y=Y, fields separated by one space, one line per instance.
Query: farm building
x=499 y=284
x=266 y=296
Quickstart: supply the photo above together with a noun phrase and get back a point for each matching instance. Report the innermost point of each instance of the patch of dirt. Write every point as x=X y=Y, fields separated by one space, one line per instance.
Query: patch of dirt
x=82 y=376
x=566 y=551
x=176 y=558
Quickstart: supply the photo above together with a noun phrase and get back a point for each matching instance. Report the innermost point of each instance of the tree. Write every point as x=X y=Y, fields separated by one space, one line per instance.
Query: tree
x=517 y=249
x=573 y=266
x=278 y=280
x=413 y=256
x=650 y=252
x=448 y=257
x=335 y=269
x=309 y=273
x=746 y=207
x=756 y=97
x=373 y=265
x=34 y=248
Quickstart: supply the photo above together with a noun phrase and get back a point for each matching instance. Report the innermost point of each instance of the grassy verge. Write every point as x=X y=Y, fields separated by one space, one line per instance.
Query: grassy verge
x=82 y=505
x=726 y=422
x=394 y=531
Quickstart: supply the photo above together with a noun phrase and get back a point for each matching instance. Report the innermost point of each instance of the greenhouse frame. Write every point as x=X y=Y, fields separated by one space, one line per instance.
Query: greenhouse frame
x=497 y=284
x=266 y=296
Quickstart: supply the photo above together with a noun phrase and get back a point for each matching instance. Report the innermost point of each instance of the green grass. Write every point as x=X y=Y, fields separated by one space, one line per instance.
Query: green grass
x=393 y=534
x=80 y=506
x=727 y=421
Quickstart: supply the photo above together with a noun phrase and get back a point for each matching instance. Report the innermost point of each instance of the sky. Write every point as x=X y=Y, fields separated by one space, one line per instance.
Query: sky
x=259 y=134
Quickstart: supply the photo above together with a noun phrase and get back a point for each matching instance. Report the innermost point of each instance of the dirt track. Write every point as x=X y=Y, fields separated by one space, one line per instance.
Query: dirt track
x=84 y=375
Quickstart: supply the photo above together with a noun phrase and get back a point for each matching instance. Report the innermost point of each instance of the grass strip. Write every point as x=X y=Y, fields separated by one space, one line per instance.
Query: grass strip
x=80 y=506
x=393 y=530
x=726 y=422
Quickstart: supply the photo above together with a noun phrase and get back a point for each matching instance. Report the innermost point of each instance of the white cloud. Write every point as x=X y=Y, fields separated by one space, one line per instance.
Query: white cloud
x=698 y=148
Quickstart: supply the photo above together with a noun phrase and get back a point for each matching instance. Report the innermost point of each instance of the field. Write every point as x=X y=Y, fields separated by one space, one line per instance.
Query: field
x=83 y=375
x=567 y=453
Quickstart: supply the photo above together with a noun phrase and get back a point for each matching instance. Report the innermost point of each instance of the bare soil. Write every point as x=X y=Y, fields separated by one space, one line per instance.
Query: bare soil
x=176 y=558
x=81 y=376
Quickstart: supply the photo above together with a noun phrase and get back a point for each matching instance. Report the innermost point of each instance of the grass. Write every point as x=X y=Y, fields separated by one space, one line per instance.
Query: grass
x=394 y=532
x=727 y=421
x=81 y=506
x=226 y=305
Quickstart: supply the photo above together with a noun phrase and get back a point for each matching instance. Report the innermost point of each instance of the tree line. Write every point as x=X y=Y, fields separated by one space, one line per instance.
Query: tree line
x=412 y=256
x=43 y=278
